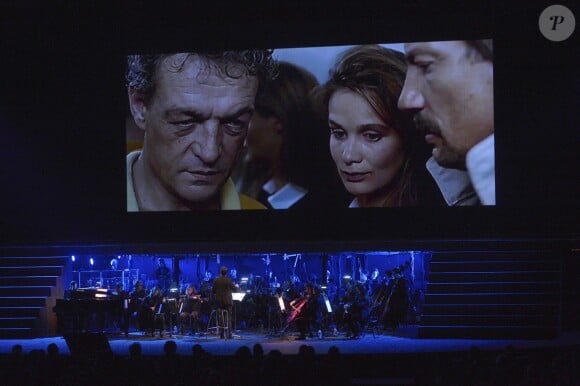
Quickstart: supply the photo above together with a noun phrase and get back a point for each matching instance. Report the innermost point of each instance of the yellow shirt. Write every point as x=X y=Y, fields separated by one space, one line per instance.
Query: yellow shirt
x=230 y=198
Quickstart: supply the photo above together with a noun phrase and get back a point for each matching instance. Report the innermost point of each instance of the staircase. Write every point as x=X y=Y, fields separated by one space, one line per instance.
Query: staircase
x=493 y=294
x=29 y=287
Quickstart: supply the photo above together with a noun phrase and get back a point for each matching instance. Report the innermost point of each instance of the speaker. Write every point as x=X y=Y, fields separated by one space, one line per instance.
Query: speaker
x=88 y=344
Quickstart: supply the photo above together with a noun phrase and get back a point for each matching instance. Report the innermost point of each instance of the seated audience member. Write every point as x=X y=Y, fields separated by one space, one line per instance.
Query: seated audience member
x=449 y=90
x=374 y=145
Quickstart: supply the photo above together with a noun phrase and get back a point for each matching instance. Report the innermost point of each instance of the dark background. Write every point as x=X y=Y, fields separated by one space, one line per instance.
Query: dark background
x=62 y=110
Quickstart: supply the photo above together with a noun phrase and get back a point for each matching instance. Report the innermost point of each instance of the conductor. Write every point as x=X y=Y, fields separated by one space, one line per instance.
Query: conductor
x=222 y=290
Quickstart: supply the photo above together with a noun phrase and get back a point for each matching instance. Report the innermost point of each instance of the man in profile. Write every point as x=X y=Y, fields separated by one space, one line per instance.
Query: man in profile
x=449 y=89
x=194 y=110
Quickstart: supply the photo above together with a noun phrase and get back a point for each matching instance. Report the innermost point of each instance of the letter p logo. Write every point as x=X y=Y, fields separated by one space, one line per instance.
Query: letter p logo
x=556 y=20
x=557 y=23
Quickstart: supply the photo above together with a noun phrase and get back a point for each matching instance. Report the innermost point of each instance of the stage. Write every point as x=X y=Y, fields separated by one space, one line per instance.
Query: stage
x=404 y=341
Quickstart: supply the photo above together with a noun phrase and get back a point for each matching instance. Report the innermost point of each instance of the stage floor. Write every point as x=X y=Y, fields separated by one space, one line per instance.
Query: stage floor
x=403 y=341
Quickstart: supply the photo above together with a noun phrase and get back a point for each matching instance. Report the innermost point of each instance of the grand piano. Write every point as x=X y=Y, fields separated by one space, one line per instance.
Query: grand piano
x=87 y=310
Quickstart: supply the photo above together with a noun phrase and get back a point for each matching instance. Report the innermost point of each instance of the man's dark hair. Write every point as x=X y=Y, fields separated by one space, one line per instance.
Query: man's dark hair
x=141 y=69
x=483 y=47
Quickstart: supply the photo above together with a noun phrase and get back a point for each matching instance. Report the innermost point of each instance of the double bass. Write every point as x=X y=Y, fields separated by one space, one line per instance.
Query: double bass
x=397 y=303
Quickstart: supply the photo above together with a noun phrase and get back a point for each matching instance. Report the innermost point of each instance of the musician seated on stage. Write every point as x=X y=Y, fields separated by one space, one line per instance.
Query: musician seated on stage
x=72 y=316
x=136 y=298
x=153 y=315
x=121 y=310
x=190 y=310
x=355 y=307
x=304 y=312
x=397 y=304
x=69 y=294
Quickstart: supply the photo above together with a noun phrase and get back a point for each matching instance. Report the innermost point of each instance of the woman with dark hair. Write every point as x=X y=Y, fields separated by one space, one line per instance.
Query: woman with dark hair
x=377 y=152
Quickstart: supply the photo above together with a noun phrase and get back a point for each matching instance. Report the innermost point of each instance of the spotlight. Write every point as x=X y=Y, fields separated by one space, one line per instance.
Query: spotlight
x=73 y=258
x=92 y=261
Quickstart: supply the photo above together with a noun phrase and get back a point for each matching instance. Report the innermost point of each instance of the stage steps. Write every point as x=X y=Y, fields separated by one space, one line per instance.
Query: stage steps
x=29 y=287
x=492 y=294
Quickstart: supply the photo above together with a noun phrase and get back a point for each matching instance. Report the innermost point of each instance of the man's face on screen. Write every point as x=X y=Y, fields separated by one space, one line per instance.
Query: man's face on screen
x=195 y=126
x=449 y=87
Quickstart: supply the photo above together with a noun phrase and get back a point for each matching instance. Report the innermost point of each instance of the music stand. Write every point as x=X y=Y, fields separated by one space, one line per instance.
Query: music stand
x=279 y=305
x=236 y=297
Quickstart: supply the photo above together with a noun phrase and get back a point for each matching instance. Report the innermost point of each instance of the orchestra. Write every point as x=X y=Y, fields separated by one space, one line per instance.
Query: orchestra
x=297 y=304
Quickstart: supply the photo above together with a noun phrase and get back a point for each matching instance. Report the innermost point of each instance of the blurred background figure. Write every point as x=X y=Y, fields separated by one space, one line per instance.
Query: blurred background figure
x=285 y=164
x=163 y=275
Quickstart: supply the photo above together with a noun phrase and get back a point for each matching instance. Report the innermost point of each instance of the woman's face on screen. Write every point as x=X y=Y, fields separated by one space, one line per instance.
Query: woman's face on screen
x=368 y=153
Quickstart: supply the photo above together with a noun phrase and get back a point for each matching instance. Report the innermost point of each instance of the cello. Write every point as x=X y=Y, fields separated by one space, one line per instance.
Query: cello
x=297 y=309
